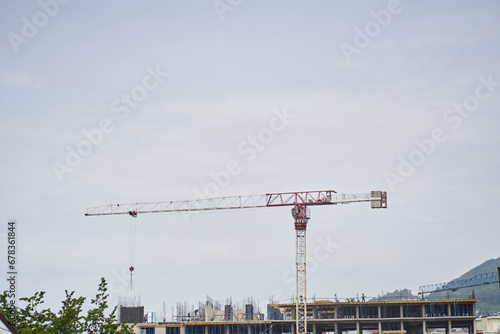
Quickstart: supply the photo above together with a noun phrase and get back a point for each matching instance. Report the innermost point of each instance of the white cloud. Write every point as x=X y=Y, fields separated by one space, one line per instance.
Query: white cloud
x=22 y=79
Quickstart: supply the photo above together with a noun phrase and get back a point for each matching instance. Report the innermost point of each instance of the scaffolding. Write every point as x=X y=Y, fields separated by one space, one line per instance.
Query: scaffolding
x=210 y=310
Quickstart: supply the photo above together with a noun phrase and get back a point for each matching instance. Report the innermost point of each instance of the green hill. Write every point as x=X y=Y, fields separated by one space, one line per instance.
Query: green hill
x=488 y=295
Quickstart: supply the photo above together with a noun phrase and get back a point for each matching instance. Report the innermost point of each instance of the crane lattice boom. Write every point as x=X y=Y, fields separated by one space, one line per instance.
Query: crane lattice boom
x=378 y=199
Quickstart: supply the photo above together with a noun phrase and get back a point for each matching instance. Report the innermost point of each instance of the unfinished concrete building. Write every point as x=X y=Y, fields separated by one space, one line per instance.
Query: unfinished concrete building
x=328 y=316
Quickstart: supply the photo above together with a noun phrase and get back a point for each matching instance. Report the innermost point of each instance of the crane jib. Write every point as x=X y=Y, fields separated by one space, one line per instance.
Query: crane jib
x=378 y=199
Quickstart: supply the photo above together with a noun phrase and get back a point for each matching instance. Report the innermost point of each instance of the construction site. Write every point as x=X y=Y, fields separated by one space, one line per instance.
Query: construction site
x=408 y=315
x=301 y=315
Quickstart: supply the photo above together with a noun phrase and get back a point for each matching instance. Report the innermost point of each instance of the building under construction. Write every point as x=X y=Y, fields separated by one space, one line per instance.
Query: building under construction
x=412 y=316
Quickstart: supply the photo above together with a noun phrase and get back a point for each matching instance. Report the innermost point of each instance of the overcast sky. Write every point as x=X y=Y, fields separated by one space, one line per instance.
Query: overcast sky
x=127 y=101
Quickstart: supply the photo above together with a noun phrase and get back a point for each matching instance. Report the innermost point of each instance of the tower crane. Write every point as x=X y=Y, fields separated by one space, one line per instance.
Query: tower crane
x=476 y=280
x=300 y=202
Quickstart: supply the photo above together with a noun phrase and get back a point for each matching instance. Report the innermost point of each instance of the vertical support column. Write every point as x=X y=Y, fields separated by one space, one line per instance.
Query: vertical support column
x=401 y=315
x=358 y=327
x=379 y=311
x=182 y=329
x=314 y=328
x=449 y=327
x=299 y=213
x=337 y=328
x=424 y=327
x=206 y=329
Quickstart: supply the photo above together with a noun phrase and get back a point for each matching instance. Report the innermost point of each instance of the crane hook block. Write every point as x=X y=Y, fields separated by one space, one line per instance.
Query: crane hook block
x=133 y=213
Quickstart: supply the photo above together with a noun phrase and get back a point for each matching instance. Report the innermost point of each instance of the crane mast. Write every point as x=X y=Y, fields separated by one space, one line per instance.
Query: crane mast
x=300 y=212
x=301 y=215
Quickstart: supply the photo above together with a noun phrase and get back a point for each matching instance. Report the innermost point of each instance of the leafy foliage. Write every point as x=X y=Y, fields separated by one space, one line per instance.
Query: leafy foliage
x=31 y=319
x=395 y=295
x=399 y=293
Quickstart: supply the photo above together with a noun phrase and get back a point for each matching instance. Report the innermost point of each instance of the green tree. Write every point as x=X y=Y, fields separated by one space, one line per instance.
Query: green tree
x=96 y=322
x=30 y=319
x=69 y=319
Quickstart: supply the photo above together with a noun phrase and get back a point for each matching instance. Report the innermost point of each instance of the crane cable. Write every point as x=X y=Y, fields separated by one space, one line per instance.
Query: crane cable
x=132 y=229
